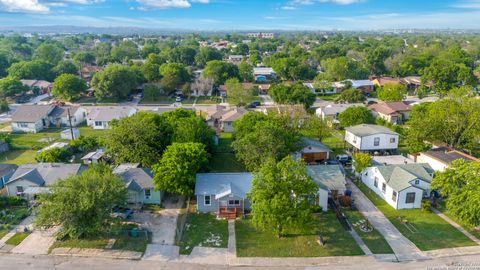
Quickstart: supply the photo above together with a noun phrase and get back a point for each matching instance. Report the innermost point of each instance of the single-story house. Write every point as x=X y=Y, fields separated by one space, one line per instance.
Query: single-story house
x=440 y=158
x=39 y=85
x=331 y=182
x=39 y=175
x=235 y=59
x=401 y=186
x=332 y=111
x=391 y=160
x=31 y=118
x=392 y=112
x=264 y=74
x=139 y=183
x=94 y=157
x=381 y=81
x=59 y=117
x=6 y=171
x=412 y=82
x=313 y=151
x=221 y=118
x=365 y=85
x=371 y=138
x=100 y=117
x=223 y=193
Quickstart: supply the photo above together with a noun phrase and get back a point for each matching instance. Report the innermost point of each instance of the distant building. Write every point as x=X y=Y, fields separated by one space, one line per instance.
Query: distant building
x=264 y=74
x=392 y=112
x=440 y=158
x=235 y=59
x=261 y=35
x=39 y=86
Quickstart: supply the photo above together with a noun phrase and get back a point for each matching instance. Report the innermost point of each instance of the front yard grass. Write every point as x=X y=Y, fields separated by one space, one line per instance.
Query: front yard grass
x=223 y=158
x=3 y=232
x=203 y=230
x=256 y=243
x=374 y=240
x=426 y=229
x=17 y=238
x=442 y=208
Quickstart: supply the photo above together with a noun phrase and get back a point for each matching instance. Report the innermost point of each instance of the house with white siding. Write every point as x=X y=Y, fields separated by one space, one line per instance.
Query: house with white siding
x=401 y=186
x=100 y=117
x=371 y=138
x=31 y=118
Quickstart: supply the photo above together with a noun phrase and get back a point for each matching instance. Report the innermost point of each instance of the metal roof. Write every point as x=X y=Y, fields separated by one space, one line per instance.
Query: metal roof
x=328 y=177
x=367 y=129
x=218 y=184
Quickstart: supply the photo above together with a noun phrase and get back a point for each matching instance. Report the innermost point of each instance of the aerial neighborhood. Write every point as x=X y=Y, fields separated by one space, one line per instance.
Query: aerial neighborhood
x=220 y=148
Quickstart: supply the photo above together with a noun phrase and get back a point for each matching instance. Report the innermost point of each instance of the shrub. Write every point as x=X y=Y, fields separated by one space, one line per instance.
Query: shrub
x=426 y=205
x=316 y=209
x=345 y=201
x=54 y=155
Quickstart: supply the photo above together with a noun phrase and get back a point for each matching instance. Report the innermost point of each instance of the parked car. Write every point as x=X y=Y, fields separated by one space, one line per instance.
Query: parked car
x=121 y=212
x=344 y=159
x=332 y=162
x=178 y=99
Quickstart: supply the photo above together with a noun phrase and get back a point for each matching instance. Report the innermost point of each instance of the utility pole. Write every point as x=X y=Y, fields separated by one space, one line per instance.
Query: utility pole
x=70 y=122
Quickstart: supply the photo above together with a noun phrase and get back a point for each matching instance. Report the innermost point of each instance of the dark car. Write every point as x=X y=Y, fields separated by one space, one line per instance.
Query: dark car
x=256 y=103
x=121 y=212
x=130 y=98
x=344 y=159
x=332 y=162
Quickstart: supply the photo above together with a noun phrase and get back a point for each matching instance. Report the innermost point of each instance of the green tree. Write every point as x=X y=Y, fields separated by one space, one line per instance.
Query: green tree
x=279 y=196
x=355 y=115
x=37 y=70
x=5 y=62
x=460 y=183
x=140 y=138
x=206 y=54
x=124 y=51
x=317 y=128
x=446 y=74
x=245 y=71
x=49 y=53
x=237 y=95
x=10 y=87
x=152 y=92
x=148 y=49
x=220 y=71
x=392 y=92
x=361 y=161
x=84 y=58
x=82 y=204
x=296 y=93
x=54 y=155
x=65 y=67
x=173 y=74
x=176 y=170
x=68 y=87
x=114 y=82
x=350 y=96
x=343 y=68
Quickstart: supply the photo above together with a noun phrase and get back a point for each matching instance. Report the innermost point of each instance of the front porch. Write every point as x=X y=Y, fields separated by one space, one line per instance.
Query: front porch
x=231 y=208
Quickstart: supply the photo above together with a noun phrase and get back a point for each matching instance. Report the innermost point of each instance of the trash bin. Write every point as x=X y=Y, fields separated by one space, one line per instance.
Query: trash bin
x=134 y=232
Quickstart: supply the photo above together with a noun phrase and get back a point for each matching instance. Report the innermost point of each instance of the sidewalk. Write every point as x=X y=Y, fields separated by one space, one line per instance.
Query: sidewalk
x=101 y=253
x=403 y=248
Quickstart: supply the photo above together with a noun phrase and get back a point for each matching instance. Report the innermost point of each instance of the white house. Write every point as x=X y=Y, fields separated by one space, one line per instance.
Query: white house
x=371 y=138
x=440 y=158
x=59 y=117
x=31 y=118
x=401 y=186
x=100 y=117
x=332 y=111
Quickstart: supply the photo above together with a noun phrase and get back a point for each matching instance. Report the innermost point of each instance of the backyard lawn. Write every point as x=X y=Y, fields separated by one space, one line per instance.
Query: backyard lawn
x=17 y=238
x=335 y=142
x=330 y=97
x=223 y=158
x=18 y=157
x=374 y=240
x=424 y=228
x=255 y=243
x=203 y=230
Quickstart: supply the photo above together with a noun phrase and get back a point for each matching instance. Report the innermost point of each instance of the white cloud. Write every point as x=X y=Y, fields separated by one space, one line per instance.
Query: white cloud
x=467 y=4
x=164 y=4
x=292 y=5
x=23 y=6
x=341 y=2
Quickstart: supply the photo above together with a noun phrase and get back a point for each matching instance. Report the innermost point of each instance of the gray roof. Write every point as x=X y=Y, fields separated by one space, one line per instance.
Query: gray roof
x=108 y=113
x=137 y=178
x=334 y=109
x=363 y=130
x=62 y=111
x=45 y=174
x=219 y=184
x=399 y=176
x=306 y=142
x=329 y=177
x=31 y=113
x=447 y=156
x=6 y=169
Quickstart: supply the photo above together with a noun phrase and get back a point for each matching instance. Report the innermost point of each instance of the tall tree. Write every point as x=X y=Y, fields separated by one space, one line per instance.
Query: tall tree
x=279 y=196
x=82 y=204
x=296 y=93
x=175 y=173
x=65 y=67
x=317 y=128
x=237 y=95
x=220 y=71
x=35 y=70
x=49 y=53
x=68 y=87
x=361 y=161
x=10 y=87
x=355 y=115
x=392 y=92
x=350 y=96
x=173 y=75
x=114 y=82
x=206 y=54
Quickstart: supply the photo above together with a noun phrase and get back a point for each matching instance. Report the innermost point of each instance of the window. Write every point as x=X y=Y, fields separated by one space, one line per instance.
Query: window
x=376 y=141
x=417 y=182
x=207 y=200
x=147 y=194
x=375 y=182
x=392 y=140
x=234 y=202
x=19 y=189
x=410 y=197
x=394 y=196
x=22 y=125
x=384 y=187
x=98 y=123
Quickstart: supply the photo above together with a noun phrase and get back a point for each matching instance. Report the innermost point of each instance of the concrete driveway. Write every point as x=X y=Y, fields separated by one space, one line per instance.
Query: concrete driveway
x=37 y=243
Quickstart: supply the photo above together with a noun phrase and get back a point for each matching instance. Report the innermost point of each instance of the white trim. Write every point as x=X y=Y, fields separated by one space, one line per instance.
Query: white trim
x=205 y=199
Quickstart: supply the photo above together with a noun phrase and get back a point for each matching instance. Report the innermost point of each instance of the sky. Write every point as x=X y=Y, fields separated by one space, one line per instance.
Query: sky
x=245 y=14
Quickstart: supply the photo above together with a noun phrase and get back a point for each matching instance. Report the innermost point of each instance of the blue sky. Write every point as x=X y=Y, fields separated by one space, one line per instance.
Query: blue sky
x=245 y=14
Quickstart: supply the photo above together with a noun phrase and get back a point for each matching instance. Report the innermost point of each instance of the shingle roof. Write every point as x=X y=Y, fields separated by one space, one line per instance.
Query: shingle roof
x=108 y=113
x=447 y=156
x=390 y=107
x=6 y=169
x=31 y=113
x=329 y=177
x=308 y=142
x=137 y=177
x=333 y=109
x=367 y=129
x=219 y=183
x=233 y=114
x=45 y=173
x=400 y=176
x=62 y=111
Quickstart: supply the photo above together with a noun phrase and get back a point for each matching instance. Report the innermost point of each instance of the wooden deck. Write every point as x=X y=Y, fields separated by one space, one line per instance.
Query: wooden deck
x=230 y=212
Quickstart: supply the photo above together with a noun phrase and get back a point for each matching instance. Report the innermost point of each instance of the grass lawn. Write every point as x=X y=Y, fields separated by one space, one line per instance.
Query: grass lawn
x=203 y=230
x=18 y=157
x=335 y=143
x=202 y=100
x=427 y=231
x=445 y=211
x=159 y=100
x=3 y=232
x=35 y=140
x=89 y=131
x=255 y=243
x=330 y=97
x=17 y=238
x=374 y=240
x=223 y=158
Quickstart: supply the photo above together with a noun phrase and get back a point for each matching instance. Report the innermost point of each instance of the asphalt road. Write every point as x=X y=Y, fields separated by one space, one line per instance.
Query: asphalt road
x=24 y=262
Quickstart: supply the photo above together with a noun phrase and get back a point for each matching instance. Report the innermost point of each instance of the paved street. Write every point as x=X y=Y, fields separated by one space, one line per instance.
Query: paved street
x=404 y=249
